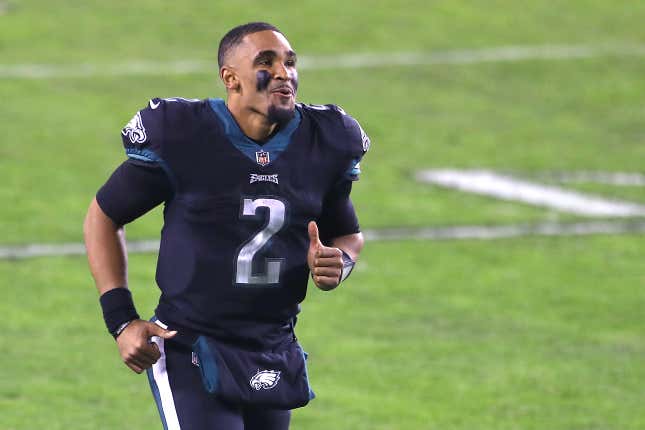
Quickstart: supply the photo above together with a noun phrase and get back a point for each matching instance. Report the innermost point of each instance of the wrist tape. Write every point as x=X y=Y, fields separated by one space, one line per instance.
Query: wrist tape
x=348 y=266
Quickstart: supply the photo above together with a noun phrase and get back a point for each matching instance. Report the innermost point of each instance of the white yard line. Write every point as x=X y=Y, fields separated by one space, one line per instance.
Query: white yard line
x=475 y=181
x=505 y=187
x=489 y=232
x=507 y=231
x=480 y=232
x=620 y=179
x=342 y=61
x=61 y=249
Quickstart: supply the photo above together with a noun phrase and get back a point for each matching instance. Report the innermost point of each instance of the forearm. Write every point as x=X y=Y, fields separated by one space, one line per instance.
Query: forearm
x=106 y=252
x=352 y=244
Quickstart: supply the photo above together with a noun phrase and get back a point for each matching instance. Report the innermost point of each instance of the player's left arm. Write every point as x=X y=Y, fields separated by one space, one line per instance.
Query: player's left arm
x=332 y=258
x=336 y=241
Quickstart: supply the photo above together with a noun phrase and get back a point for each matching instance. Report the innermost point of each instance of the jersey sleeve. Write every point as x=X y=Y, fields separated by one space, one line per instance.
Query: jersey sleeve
x=342 y=133
x=358 y=143
x=143 y=135
x=338 y=217
x=133 y=189
x=144 y=180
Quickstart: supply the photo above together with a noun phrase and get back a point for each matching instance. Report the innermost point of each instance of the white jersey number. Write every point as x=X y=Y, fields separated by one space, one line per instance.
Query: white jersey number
x=244 y=267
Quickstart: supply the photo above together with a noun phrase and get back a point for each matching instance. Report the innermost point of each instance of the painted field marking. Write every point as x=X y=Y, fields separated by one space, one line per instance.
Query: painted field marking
x=619 y=179
x=489 y=232
x=477 y=181
x=64 y=249
x=324 y=62
x=506 y=187
x=466 y=232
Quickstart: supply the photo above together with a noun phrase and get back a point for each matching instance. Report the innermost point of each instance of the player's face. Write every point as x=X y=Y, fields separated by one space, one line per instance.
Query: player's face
x=268 y=75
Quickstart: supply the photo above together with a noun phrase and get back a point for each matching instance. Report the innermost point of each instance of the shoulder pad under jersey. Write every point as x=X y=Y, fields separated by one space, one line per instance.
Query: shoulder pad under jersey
x=143 y=136
x=347 y=133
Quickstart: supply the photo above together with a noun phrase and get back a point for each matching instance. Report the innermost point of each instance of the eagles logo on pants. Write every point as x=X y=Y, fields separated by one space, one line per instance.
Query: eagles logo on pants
x=266 y=379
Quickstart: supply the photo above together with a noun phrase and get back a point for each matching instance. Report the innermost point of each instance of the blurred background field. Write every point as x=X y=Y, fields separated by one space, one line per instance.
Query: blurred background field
x=523 y=333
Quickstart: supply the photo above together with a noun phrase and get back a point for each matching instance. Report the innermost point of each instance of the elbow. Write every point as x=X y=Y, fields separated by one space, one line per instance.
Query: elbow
x=359 y=243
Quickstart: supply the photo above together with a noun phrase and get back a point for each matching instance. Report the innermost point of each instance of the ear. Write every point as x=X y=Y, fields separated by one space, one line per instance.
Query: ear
x=230 y=79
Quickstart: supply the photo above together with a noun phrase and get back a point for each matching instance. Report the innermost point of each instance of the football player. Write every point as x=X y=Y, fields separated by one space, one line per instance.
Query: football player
x=256 y=194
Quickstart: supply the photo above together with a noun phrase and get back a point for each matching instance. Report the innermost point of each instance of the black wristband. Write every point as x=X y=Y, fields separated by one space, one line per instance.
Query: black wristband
x=118 y=309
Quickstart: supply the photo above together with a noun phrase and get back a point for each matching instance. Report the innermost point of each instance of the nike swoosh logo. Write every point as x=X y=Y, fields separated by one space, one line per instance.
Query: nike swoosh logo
x=154 y=105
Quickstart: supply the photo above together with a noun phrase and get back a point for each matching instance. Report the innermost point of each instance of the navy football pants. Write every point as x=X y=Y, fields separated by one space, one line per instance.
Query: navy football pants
x=184 y=404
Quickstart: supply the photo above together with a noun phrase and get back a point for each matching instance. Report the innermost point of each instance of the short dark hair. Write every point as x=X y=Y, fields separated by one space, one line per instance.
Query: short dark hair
x=235 y=36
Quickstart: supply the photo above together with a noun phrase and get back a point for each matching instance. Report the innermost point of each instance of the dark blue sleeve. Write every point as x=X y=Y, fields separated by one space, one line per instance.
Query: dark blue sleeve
x=143 y=135
x=143 y=181
x=133 y=189
x=342 y=133
x=358 y=143
x=338 y=217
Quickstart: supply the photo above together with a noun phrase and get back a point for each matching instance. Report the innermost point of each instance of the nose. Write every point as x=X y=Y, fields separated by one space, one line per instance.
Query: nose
x=280 y=71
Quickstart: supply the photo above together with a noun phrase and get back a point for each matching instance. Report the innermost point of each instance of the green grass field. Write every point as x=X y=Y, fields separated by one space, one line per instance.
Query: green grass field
x=525 y=333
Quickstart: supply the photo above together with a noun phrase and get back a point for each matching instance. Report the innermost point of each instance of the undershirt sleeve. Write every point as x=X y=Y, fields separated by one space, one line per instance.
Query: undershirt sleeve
x=133 y=189
x=338 y=217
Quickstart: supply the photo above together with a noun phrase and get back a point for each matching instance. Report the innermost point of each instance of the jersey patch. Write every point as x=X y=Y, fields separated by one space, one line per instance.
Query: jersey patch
x=366 y=140
x=263 y=178
x=134 y=130
x=194 y=359
x=262 y=158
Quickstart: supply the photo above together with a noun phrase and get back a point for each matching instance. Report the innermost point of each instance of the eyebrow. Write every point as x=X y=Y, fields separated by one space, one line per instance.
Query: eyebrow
x=269 y=53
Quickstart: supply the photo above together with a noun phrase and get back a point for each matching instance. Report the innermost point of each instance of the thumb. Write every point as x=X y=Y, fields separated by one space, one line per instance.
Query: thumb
x=156 y=330
x=314 y=237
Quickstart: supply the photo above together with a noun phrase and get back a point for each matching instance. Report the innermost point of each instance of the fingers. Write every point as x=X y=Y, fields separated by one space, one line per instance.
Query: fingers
x=328 y=258
x=332 y=272
x=134 y=367
x=326 y=278
x=137 y=365
x=149 y=354
x=326 y=267
x=137 y=350
x=139 y=357
x=326 y=282
x=328 y=262
x=327 y=252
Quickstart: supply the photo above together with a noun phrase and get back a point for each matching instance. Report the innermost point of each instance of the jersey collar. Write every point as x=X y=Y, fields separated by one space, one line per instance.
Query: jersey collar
x=273 y=147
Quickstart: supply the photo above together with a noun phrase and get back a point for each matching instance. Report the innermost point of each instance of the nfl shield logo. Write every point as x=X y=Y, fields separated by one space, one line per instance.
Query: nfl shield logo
x=262 y=157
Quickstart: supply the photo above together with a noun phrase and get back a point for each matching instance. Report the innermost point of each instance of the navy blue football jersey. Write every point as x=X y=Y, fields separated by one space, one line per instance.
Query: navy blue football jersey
x=232 y=258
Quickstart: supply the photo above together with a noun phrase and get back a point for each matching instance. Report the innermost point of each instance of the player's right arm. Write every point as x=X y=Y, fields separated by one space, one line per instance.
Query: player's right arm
x=134 y=188
x=106 y=253
x=105 y=244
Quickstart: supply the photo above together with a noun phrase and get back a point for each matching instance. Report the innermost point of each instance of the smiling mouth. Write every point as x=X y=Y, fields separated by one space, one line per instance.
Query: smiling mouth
x=283 y=91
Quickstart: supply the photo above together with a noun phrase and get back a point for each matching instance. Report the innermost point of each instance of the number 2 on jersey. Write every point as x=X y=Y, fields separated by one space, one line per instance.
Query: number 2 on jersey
x=244 y=262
